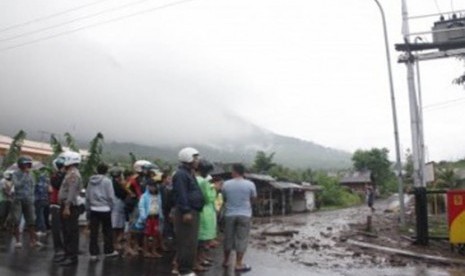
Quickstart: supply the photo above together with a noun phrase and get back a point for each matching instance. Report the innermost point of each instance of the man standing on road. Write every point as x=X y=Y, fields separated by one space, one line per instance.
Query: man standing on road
x=68 y=197
x=55 y=208
x=189 y=201
x=100 y=198
x=238 y=195
x=23 y=200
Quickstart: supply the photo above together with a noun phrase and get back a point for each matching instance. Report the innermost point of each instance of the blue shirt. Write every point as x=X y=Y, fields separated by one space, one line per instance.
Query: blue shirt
x=237 y=193
x=24 y=185
x=41 y=188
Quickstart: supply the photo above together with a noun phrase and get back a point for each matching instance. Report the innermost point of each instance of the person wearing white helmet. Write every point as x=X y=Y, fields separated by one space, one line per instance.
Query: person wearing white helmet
x=136 y=186
x=68 y=199
x=137 y=182
x=189 y=202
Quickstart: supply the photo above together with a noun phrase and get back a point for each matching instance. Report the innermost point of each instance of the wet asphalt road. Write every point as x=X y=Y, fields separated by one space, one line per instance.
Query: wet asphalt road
x=36 y=262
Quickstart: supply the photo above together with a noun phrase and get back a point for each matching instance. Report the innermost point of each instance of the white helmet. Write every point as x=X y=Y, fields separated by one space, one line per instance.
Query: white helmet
x=139 y=165
x=8 y=174
x=186 y=155
x=70 y=158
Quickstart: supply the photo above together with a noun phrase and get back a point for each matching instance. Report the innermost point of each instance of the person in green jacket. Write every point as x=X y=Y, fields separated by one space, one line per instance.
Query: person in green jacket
x=207 y=228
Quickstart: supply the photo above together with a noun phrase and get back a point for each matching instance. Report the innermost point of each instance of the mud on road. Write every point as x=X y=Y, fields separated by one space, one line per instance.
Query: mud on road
x=319 y=240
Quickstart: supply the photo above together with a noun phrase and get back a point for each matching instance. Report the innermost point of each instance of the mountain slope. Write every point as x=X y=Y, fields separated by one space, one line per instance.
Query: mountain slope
x=291 y=152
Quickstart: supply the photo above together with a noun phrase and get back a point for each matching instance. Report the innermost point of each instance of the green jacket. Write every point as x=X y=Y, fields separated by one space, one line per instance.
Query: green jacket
x=207 y=230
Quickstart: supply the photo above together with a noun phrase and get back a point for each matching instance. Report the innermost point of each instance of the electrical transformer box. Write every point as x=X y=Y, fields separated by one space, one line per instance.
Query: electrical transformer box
x=446 y=31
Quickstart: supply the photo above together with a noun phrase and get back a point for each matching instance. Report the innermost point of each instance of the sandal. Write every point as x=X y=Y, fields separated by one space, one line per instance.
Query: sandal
x=206 y=263
x=245 y=268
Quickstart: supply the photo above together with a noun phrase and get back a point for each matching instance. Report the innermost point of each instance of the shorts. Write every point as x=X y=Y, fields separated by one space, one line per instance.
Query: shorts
x=133 y=225
x=236 y=233
x=152 y=227
x=118 y=216
x=23 y=207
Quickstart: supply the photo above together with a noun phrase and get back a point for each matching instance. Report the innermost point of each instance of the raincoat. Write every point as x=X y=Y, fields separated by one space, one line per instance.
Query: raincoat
x=207 y=230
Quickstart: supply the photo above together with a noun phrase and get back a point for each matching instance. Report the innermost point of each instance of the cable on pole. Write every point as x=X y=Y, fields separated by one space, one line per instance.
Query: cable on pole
x=96 y=24
x=437 y=6
x=18 y=25
x=77 y=19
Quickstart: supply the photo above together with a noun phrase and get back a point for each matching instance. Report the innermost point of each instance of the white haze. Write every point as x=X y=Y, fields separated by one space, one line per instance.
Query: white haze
x=315 y=70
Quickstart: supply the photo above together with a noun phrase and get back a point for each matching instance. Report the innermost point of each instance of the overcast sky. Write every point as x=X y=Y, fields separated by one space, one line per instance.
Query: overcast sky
x=315 y=70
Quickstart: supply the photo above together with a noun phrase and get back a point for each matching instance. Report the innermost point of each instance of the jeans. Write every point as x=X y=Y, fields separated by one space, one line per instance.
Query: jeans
x=70 y=228
x=57 y=235
x=40 y=206
x=23 y=207
x=103 y=218
x=186 y=241
x=4 y=211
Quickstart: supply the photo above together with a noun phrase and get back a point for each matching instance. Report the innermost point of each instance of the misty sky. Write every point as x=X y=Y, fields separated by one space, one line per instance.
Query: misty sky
x=315 y=70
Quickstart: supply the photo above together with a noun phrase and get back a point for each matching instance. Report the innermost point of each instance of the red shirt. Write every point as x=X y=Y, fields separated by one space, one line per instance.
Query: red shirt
x=134 y=186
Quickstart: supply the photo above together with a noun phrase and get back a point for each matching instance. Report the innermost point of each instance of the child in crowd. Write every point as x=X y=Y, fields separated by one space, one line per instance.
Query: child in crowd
x=150 y=214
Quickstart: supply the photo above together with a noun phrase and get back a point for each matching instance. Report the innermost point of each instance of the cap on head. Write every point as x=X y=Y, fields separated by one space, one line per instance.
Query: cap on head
x=24 y=162
x=205 y=167
x=187 y=155
x=58 y=163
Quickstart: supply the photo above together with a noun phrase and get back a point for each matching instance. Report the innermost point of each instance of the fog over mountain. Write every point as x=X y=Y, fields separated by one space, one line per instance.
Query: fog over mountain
x=239 y=142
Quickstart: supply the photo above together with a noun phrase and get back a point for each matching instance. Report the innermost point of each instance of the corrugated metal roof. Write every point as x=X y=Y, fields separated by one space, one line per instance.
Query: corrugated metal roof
x=261 y=177
x=33 y=147
x=357 y=177
x=280 y=185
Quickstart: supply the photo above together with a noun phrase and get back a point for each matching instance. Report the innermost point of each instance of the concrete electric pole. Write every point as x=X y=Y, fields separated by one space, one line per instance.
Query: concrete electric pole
x=416 y=129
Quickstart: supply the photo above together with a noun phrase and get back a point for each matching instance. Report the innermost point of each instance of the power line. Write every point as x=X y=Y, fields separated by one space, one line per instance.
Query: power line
x=97 y=24
x=74 y=20
x=444 y=104
x=437 y=6
x=50 y=16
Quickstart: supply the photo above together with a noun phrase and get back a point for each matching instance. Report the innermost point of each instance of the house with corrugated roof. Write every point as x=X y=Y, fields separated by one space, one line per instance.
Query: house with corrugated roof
x=356 y=181
x=37 y=150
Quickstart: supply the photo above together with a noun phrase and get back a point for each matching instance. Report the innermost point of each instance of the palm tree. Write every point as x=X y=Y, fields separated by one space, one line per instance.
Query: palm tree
x=447 y=178
x=56 y=146
x=15 y=149
x=95 y=157
x=71 y=142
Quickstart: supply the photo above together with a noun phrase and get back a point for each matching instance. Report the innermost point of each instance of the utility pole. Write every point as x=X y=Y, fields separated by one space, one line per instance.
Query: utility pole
x=416 y=129
x=400 y=184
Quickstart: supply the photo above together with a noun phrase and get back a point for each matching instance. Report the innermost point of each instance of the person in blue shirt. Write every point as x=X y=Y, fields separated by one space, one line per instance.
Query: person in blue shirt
x=238 y=195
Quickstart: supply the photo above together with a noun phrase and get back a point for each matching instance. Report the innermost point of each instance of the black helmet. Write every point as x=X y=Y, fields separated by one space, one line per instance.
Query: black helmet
x=205 y=167
x=24 y=161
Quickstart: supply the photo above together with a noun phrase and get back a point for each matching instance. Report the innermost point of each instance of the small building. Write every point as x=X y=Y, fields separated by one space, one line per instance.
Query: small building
x=356 y=181
x=306 y=198
x=280 y=197
x=36 y=150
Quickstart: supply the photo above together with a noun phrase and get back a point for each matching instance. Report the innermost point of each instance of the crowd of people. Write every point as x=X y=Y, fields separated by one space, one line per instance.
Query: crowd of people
x=140 y=212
